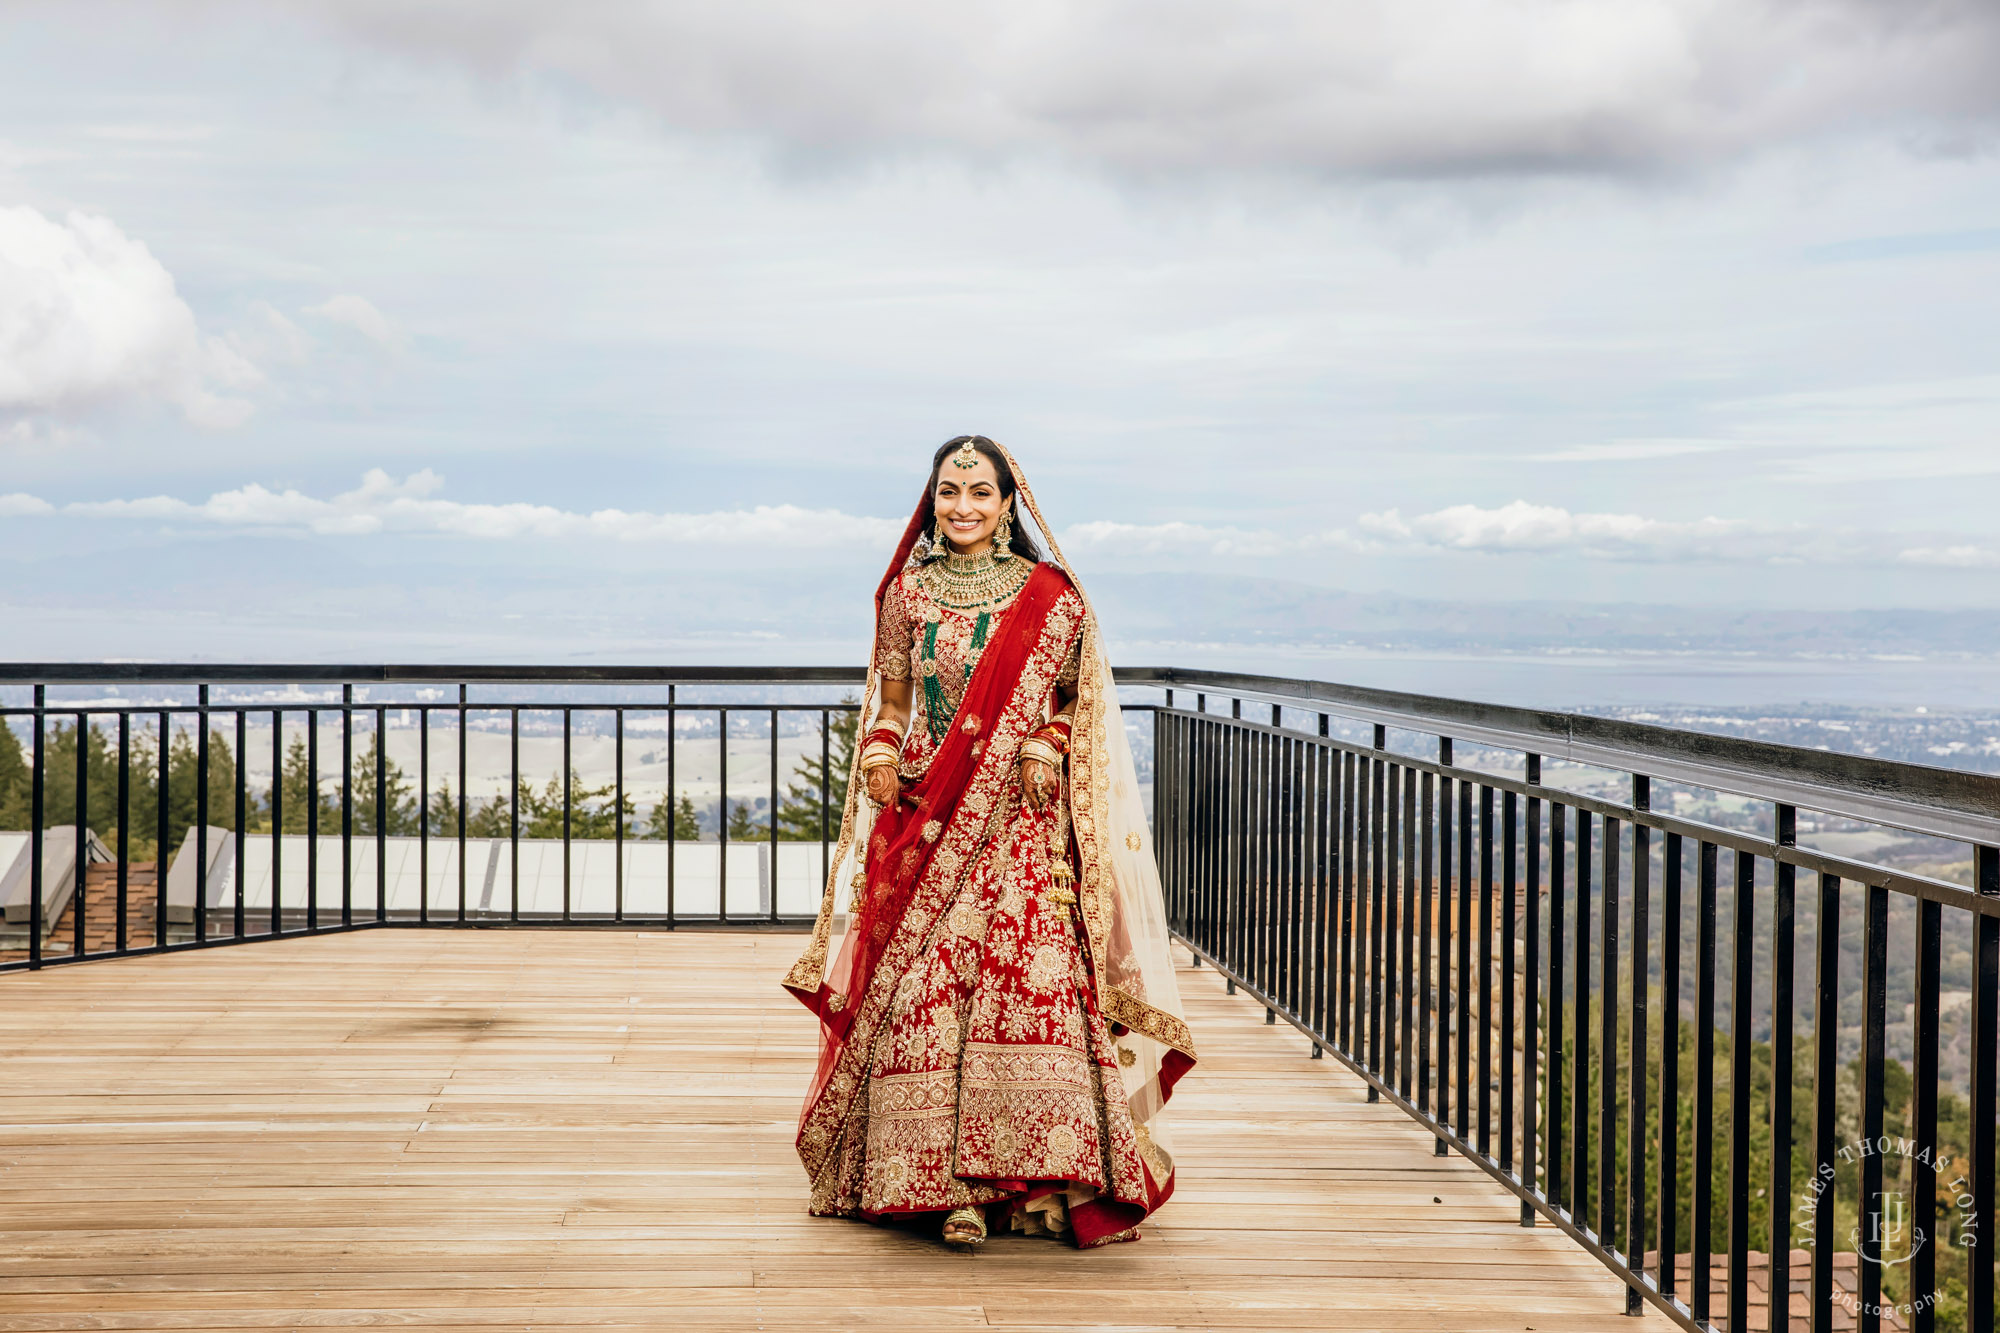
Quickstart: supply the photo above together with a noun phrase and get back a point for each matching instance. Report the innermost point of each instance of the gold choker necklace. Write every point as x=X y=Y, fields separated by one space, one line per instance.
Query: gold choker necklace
x=973 y=582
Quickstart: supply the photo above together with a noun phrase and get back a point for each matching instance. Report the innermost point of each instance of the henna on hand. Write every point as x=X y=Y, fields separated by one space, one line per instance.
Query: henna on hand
x=1037 y=781
x=882 y=785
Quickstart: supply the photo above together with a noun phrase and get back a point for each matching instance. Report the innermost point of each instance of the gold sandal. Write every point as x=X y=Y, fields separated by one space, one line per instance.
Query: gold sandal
x=965 y=1227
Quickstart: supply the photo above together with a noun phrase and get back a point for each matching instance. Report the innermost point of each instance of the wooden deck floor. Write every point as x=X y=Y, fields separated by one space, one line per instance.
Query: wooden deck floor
x=578 y=1129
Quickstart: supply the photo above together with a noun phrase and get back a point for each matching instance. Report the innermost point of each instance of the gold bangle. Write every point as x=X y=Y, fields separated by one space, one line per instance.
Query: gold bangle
x=1040 y=751
x=871 y=762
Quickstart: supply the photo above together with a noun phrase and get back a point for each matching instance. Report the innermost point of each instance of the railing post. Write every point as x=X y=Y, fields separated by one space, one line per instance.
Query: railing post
x=160 y=810
x=242 y=812
x=1635 y=1124
x=1826 y=1055
x=381 y=817
x=1924 y=1105
x=1985 y=1026
x=124 y=820
x=673 y=808
x=1531 y=983
x=1784 y=878
x=80 y=941
x=423 y=820
x=618 y=817
x=568 y=795
x=774 y=817
x=722 y=818
x=463 y=810
x=37 y=812
x=200 y=846
x=347 y=802
x=1441 y=1114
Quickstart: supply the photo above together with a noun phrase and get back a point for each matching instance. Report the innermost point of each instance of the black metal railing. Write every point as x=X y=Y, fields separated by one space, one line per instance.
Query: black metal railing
x=1617 y=1002
x=363 y=836
x=1507 y=961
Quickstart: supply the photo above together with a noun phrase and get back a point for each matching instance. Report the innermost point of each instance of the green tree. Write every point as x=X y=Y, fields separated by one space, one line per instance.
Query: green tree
x=301 y=792
x=184 y=786
x=15 y=780
x=490 y=818
x=671 y=819
x=59 y=778
x=594 y=813
x=401 y=797
x=744 y=826
x=441 y=813
x=799 y=816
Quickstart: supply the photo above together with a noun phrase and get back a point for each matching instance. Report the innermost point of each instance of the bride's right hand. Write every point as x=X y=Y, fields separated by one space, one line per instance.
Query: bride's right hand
x=883 y=784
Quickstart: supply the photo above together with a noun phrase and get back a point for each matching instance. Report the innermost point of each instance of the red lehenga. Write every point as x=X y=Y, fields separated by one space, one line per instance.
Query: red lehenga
x=983 y=1040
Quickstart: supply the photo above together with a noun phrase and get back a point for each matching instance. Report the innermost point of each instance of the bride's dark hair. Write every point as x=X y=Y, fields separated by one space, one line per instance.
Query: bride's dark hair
x=1023 y=545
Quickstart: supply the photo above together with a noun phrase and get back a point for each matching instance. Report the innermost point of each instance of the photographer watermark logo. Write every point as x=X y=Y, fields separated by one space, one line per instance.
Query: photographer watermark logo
x=1892 y=1227
x=1887 y=1232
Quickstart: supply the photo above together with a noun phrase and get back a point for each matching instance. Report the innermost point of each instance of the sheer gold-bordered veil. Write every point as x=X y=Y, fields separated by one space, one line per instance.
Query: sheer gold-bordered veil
x=1119 y=894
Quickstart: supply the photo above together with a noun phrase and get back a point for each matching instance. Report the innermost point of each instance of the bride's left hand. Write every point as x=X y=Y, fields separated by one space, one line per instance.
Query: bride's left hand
x=1038 y=783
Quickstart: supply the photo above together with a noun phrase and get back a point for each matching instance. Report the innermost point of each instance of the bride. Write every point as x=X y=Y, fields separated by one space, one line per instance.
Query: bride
x=999 y=1024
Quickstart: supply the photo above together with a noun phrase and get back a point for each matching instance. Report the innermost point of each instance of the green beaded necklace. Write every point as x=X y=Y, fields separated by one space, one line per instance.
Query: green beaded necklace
x=962 y=583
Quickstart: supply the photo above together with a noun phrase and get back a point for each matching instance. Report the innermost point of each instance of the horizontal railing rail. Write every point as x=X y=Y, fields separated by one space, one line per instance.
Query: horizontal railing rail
x=1943 y=802
x=1599 y=1002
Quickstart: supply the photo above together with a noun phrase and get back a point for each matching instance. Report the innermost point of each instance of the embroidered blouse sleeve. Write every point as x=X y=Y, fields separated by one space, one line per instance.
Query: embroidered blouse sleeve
x=1072 y=663
x=895 y=635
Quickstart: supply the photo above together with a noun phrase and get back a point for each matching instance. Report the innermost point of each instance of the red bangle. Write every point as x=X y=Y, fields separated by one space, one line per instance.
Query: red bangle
x=886 y=735
x=1055 y=734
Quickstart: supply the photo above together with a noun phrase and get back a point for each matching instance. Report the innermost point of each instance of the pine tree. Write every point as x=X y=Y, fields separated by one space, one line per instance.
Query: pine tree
x=15 y=780
x=744 y=826
x=490 y=818
x=297 y=785
x=59 y=778
x=401 y=798
x=667 y=815
x=441 y=814
x=184 y=782
x=799 y=817
x=593 y=813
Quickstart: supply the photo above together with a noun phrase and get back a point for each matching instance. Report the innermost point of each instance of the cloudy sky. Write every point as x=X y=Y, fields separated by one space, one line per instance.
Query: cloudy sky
x=387 y=328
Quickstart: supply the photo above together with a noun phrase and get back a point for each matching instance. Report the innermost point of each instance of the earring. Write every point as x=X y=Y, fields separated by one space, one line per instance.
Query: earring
x=1003 y=537
x=938 y=550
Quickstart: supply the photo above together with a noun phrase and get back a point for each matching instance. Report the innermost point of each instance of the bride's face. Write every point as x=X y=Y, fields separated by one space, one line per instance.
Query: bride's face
x=968 y=504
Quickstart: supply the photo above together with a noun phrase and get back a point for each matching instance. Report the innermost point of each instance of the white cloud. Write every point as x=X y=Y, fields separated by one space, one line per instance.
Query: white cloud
x=412 y=505
x=1420 y=87
x=359 y=314
x=1201 y=539
x=1521 y=527
x=89 y=318
x=1952 y=557
x=1625 y=451
x=416 y=505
